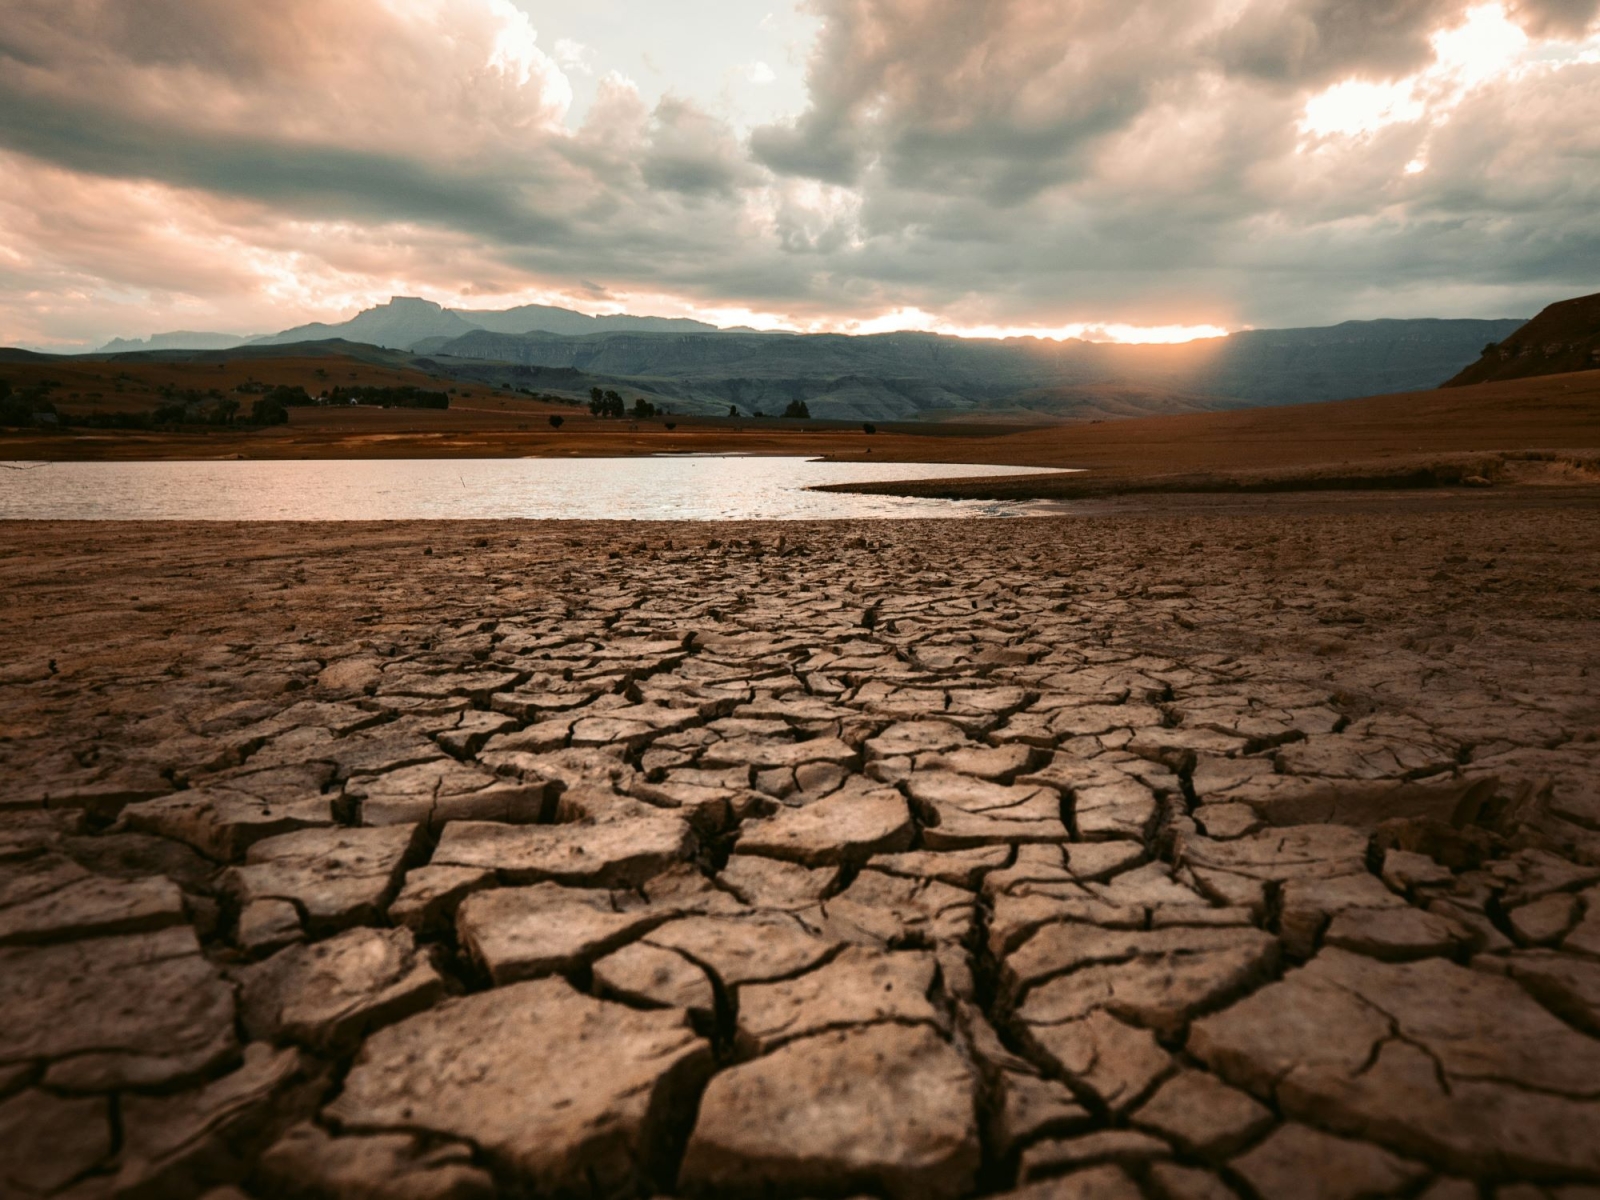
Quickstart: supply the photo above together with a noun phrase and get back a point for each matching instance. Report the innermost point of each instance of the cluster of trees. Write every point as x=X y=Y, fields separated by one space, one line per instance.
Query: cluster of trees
x=609 y=403
x=25 y=406
x=389 y=397
x=796 y=410
x=18 y=407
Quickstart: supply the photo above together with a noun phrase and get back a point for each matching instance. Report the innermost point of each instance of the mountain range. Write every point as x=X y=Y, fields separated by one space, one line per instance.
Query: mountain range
x=691 y=367
x=406 y=320
x=911 y=375
x=182 y=339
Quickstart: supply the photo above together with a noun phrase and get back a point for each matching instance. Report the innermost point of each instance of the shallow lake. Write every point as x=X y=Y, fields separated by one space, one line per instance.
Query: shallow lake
x=666 y=488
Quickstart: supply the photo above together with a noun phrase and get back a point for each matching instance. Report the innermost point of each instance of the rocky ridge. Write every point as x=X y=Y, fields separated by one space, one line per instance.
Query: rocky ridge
x=1205 y=856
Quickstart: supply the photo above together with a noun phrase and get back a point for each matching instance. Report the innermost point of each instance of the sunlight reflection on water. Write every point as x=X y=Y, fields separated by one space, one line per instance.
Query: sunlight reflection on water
x=676 y=488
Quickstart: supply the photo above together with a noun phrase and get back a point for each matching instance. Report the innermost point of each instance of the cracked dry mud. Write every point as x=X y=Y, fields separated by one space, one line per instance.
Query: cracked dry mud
x=1230 y=853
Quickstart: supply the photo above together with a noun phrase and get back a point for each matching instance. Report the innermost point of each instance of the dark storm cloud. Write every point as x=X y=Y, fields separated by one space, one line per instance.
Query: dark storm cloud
x=1567 y=18
x=993 y=161
x=1305 y=42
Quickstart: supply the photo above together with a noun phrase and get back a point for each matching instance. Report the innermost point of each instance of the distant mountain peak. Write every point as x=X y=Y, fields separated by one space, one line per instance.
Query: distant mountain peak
x=178 y=339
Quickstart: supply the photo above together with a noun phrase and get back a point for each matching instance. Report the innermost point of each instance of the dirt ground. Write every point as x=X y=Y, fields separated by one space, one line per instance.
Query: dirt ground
x=1227 y=846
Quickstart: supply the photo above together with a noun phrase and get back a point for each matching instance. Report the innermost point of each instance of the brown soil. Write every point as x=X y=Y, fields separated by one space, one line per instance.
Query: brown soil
x=1158 y=854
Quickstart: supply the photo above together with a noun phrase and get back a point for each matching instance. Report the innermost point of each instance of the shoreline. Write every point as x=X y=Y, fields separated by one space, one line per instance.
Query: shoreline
x=1541 y=432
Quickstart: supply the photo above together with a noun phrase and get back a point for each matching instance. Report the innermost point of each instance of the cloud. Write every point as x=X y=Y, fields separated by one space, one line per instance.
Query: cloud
x=973 y=163
x=1317 y=42
x=1556 y=18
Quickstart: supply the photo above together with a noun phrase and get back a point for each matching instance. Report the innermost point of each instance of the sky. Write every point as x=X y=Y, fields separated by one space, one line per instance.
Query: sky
x=1115 y=169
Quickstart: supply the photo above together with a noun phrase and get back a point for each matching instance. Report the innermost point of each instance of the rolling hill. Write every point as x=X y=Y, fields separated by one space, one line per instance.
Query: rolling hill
x=1563 y=338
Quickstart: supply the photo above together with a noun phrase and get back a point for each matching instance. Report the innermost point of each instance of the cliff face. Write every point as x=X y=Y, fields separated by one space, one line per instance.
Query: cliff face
x=1565 y=337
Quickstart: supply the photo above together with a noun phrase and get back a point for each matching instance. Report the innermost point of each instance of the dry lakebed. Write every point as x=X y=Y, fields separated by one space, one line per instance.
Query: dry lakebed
x=1242 y=847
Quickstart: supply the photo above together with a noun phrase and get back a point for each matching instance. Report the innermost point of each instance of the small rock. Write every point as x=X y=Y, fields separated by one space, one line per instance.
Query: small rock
x=1055 y=1155
x=1406 y=871
x=93 y=907
x=650 y=975
x=428 y=901
x=849 y=826
x=886 y=1109
x=1226 y=821
x=745 y=949
x=337 y=877
x=307 y=1161
x=1308 y=903
x=142 y=1010
x=177 y=1144
x=547 y=929
x=1392 y=934
x=330 y=995
x=1174 y=1182
x=268 y=925
x=1095 y=1183
x=1115 y=1062
x=1545 y=921
x=859 y=987
x=1028 y=1107
x=230 y=814
x=1303 y=1162
x=613 y=854
x=1585 y=936
x=47 y=1141
x=1203 y=1115
x=613 y=1085
x=774 y=883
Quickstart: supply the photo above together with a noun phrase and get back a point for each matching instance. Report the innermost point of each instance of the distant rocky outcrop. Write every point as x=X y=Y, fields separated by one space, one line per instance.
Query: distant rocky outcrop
x=394 y=326
x=543 y=318
x=407 y=322
x=1565 y=337
x=181 y=339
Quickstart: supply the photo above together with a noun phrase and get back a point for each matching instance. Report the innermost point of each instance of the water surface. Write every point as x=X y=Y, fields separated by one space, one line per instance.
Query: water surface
x=666 y=488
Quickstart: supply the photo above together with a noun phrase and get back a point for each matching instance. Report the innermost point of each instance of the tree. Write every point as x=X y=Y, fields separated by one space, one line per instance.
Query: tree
x=1490 y=349
x=671 y=425
x=643 y=410
x=868 y=427
x=797 y=409
x=556 y=420
x=290 y=397
x=14 y=409
x=733 y=410
x=268 y=411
